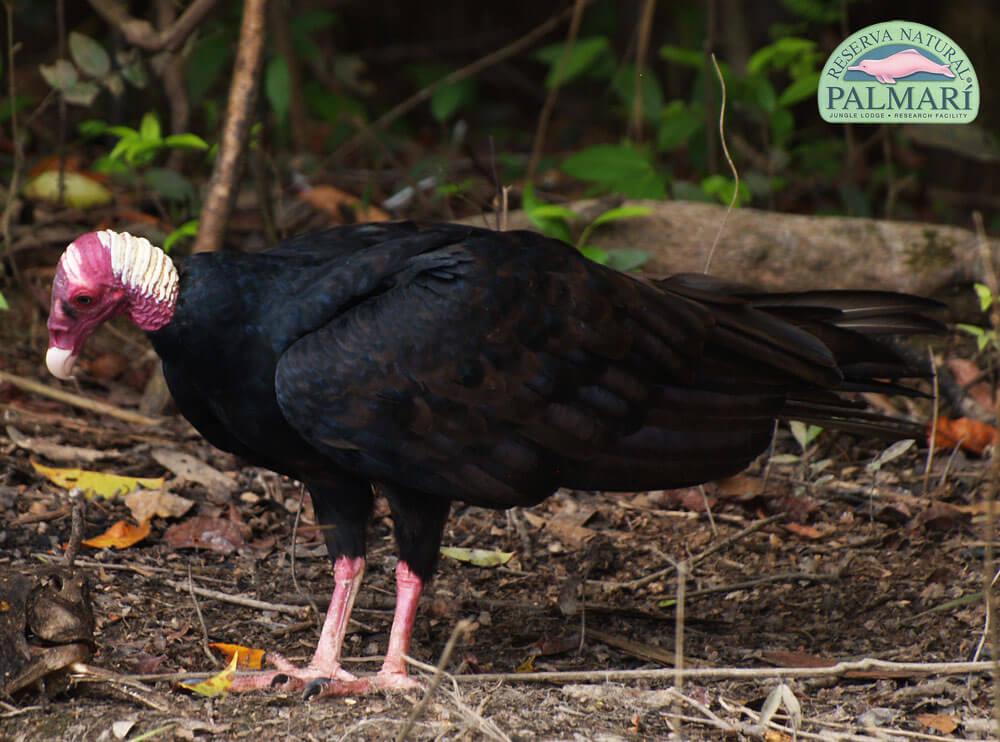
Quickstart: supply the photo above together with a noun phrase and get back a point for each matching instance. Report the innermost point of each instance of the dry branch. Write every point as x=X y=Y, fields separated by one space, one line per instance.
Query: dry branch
x=897 y=669
x=550 y=99
x=84 y=403
x=239 y=114
x=142 y=34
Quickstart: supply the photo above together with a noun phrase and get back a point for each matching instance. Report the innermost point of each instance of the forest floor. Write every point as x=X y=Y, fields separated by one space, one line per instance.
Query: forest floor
x=846 y=562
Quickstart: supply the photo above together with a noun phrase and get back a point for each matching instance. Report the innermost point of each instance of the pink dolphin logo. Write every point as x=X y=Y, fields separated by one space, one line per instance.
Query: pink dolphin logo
x=900 y=64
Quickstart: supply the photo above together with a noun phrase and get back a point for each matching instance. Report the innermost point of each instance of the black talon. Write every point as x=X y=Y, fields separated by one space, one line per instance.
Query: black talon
x=279 y=679
x=314 y=688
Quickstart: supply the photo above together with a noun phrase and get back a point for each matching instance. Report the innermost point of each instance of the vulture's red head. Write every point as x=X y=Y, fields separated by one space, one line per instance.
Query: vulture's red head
x=102 y=274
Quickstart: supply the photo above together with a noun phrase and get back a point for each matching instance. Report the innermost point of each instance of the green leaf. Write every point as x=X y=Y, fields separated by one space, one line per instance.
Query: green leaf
x=622 y=212
x=60 y=75
x=478 y=557
x=594 y=253
x=721 y=188
x=803 y=88
x=4 y=306
x=187 y=230
x=619 y=168
x=687 y=57
x=678 y=123
x=804 y=434
x=89 y=55
x=652 y=97
x=985 y=296
x=552 y=211
x=626 y=260
x=278 y=87
x=780 y=54
x=564 y=68
x=448 y=99
x=81 y=93
x=185 y=141
x=782 y=125
x=206 y=64
x=149 y=128
x=132 y=67
x=170 y=184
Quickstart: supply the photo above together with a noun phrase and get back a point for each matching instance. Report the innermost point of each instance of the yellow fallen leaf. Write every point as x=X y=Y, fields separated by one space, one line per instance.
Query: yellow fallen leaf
x=120 y=536
x=80 y=192
x=217 y=684
x=96 y=483
x=478 y=557
x=247 y=658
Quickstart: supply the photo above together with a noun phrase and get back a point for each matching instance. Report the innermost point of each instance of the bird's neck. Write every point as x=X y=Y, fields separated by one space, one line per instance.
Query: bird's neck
x=147 y=276
x=148 y=312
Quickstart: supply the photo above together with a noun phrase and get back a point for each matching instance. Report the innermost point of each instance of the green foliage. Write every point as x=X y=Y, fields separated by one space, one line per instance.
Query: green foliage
x=585 y=55
x=720 y=188
x=804 y=434
x=985 y=336
x=277 y=87
x=4 y=306
x=450 y=98
x=618 y=168
x=91 y=60
x=139 y=147
x=188 y=230
x=557 y=221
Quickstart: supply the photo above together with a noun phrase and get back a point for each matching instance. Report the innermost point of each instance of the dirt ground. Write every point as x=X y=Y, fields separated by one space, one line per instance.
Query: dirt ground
x=854 y=563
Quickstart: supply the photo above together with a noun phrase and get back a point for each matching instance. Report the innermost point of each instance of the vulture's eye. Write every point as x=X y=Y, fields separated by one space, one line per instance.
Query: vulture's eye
x=83 y=300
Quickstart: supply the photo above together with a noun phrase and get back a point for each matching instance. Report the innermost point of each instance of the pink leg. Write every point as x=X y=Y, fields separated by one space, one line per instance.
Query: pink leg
x=393 y=675
x=325 y=664
x=408 y=588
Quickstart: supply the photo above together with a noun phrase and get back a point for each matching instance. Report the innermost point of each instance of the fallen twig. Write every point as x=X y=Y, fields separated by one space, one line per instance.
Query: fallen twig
x=133 y=689
x=726 y=543
x=295 y=610
x=898 y=669
x=84 y=403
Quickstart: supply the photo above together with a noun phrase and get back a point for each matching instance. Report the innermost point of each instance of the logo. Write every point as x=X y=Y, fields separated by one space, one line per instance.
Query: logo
x=898 y=72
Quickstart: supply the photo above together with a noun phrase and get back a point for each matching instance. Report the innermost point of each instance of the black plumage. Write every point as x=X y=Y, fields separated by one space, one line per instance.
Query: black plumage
x=452 y=363
x=448 y=363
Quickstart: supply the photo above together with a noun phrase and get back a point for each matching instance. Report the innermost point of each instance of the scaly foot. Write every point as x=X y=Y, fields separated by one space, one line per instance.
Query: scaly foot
x=384 y=680
x=289 y=677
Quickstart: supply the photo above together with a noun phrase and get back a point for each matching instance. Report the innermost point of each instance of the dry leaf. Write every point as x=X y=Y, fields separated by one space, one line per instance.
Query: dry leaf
x=52 y=450
x=941 y=722
x=966 y=373
x=188 y=467
x=804 y=531
x=741 y=486
x=217 y=684
x=146 y=505
x=215 y=534
x=972 y=435
x=80 y=191
x=120 y=536
x=341 y=205
x=95 y=483
x=247 y=658
x=478 y=557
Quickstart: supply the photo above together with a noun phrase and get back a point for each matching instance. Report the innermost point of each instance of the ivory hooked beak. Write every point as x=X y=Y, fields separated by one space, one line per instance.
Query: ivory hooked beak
x=60 y=362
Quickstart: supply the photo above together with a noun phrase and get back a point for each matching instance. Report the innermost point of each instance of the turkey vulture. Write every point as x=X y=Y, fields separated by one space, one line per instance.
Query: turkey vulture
x=445 y=362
